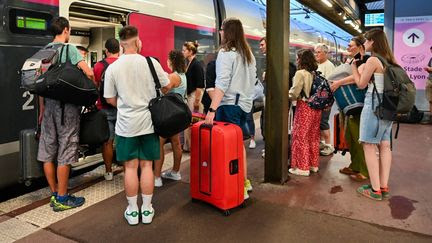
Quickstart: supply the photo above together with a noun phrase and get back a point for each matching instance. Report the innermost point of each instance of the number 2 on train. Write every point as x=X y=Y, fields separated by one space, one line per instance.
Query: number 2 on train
x=27 y=105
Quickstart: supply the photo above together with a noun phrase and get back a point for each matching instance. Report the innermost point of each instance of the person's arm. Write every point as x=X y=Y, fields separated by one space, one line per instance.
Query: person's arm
x=110 y=91
x=41 y=109
x=87 y=71
x=428 y=69
x=223 y=81
x=362 y=80
x=298 y=83
x=175 y=81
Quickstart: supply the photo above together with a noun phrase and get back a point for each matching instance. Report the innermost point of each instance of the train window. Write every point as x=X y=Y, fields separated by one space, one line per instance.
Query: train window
x=29 y=22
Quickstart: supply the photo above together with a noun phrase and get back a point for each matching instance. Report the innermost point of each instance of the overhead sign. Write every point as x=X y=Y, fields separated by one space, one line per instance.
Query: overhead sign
x=374 y=19
x=412 y=41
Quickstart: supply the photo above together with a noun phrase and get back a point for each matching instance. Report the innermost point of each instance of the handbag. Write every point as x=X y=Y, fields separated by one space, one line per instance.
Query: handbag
x=94 y=128
x=259 y=91
x=67 y=83
x=170 y=114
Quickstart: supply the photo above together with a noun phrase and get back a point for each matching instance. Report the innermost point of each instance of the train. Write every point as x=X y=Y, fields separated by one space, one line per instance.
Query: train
x=163 y=25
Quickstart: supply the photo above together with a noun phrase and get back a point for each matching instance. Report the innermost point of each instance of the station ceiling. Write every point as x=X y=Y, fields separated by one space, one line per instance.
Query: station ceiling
x=341 y=8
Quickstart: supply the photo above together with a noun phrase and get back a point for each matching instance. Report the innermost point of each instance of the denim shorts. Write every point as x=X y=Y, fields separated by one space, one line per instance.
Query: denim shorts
x=111 y=114
x=372 y=129
x=233 y=114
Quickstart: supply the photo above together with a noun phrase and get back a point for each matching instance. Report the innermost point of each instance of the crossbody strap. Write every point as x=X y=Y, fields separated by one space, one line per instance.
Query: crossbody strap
x=155 y=77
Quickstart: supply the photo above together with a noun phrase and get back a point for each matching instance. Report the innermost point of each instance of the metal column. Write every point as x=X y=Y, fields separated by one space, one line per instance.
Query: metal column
x=277 y=103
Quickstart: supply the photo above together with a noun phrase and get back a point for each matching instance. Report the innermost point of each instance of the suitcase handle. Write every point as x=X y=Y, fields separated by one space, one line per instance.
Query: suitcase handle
x=233 y=167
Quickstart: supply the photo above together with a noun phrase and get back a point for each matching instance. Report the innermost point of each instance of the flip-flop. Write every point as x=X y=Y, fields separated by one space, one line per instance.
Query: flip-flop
x=347 y=171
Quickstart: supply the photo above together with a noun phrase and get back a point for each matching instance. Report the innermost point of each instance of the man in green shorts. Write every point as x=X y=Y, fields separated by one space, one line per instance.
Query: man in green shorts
x=129 y=86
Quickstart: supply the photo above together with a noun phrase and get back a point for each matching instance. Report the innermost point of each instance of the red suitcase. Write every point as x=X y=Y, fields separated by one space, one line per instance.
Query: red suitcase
x=217 y=173
x=339 y=140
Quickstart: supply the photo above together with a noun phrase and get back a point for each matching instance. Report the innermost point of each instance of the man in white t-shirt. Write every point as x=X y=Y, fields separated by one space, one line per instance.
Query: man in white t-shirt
x=129 y=86
x=326 y=67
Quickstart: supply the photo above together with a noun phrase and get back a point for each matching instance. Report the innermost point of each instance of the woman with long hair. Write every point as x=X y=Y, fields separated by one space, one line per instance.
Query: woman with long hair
x=195 y=83
x=357 y=170
x=306 y=130
x=178 y=85
x=235 y=81
x=375 y=132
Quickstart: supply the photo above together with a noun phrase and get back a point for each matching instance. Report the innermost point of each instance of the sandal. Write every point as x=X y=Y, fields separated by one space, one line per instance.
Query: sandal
x=358 y=177
x=347 y=171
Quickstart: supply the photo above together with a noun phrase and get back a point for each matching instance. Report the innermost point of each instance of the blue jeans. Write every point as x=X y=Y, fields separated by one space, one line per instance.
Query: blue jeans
x=233 y=114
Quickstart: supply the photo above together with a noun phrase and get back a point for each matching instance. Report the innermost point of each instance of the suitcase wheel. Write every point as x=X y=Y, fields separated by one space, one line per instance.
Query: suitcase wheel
x=195 y=200
x=243 y=204
x=28 y=183
x=344 y=152
x=226 y=212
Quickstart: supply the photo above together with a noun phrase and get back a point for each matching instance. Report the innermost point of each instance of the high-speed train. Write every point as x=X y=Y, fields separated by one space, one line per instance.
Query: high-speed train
x=163 y=25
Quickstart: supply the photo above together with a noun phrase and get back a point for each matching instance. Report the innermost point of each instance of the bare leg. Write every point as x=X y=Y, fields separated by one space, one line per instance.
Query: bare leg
x=177 y=151
x=50 y=174
x=245 y=163
x=325 y=135
x=107 y=154
x=159 y=162
x=147 y=178
x=372 y=165
x=63 y=179
x=131 y=177
x=385 y=163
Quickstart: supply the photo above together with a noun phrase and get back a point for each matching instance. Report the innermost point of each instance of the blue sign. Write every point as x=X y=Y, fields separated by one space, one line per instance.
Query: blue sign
x=374 y=19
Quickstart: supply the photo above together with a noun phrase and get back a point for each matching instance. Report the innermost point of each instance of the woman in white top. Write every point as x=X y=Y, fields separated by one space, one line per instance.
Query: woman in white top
x=374 y=131
x=235 y=81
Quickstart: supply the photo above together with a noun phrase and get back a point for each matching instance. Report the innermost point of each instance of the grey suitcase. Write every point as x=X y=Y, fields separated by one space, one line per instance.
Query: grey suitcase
x=30 y=167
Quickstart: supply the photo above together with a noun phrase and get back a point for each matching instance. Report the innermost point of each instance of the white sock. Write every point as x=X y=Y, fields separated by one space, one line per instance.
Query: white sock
x=132 y=201
x=146 y=201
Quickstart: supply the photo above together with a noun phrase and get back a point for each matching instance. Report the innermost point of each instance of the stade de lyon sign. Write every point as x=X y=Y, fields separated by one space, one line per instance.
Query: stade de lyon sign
x=412 y=40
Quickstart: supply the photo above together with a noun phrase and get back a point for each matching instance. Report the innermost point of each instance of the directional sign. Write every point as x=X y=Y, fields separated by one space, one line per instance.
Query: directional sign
x=413 y=37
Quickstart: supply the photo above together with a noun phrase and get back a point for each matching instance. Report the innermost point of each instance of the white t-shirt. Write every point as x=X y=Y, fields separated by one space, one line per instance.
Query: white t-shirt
x=130 y=80
x=326 y=68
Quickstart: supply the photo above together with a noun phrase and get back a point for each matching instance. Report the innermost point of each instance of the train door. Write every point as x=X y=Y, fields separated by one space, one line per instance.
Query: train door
x=156 y=34
x=23 y=31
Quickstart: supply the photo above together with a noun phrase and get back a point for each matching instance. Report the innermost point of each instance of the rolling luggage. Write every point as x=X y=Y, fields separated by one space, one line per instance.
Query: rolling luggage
x=217 y=173
x=30 y=167
x=339 y=141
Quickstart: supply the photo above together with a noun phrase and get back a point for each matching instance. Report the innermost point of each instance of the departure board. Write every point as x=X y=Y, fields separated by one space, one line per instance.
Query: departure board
x=374 y=19
x=31 y=23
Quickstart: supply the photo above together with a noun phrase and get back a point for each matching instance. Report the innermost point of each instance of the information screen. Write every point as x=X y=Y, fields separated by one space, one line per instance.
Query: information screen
x=374 y=19
x=31 y=23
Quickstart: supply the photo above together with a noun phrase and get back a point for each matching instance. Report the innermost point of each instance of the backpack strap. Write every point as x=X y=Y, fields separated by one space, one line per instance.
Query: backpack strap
x=105 y=66
x=155 y=77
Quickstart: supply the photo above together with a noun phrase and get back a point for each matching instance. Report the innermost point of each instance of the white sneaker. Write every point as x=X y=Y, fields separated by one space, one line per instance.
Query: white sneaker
x=263 y=153
x=297 y=171
x=322 y=145
x=158 y=182
x=131 y=217
x=328 y=150
x=246 y=194
x=314 y=169
x=252 y=144
x=171 y=175
x=108 y=176
x=147 y=215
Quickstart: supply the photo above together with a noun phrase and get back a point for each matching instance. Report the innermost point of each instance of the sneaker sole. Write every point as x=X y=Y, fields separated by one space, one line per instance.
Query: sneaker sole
x=64 y=209
x=169 y=178
x=368 y=196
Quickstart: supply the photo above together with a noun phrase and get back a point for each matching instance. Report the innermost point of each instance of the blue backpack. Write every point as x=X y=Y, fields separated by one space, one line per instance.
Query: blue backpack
x=321 y=96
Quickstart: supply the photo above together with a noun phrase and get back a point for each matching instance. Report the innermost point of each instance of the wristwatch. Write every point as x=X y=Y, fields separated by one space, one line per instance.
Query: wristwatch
x=211 y=110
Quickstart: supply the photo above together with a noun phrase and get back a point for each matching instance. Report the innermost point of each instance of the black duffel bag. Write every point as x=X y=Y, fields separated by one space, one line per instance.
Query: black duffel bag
x=170 y=114
x=94 y=128
x=67 y=83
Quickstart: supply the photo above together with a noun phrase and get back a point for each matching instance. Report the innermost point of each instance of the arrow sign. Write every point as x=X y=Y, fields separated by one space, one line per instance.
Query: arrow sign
x=413 y=36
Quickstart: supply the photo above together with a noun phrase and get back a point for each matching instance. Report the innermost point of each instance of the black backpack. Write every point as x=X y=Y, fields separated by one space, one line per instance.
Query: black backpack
x=321 y=96
x=170 y=114
x=102 y=82
x=65 y=82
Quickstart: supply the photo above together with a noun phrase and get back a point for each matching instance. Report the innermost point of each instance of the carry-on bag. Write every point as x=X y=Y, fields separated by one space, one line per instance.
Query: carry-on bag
x=94 y=128
x=67 y=83
x=30 y=167
x=170 y=114
x=216 y=171
x=339 y=140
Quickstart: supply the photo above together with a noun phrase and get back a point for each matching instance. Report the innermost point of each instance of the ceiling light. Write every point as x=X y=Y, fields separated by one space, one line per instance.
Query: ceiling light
x=348 y=21
x=326 y=2
x=340 y=13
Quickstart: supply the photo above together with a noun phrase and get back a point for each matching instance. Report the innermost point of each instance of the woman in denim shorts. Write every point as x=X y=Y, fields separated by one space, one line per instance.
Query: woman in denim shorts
x=374 y=131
